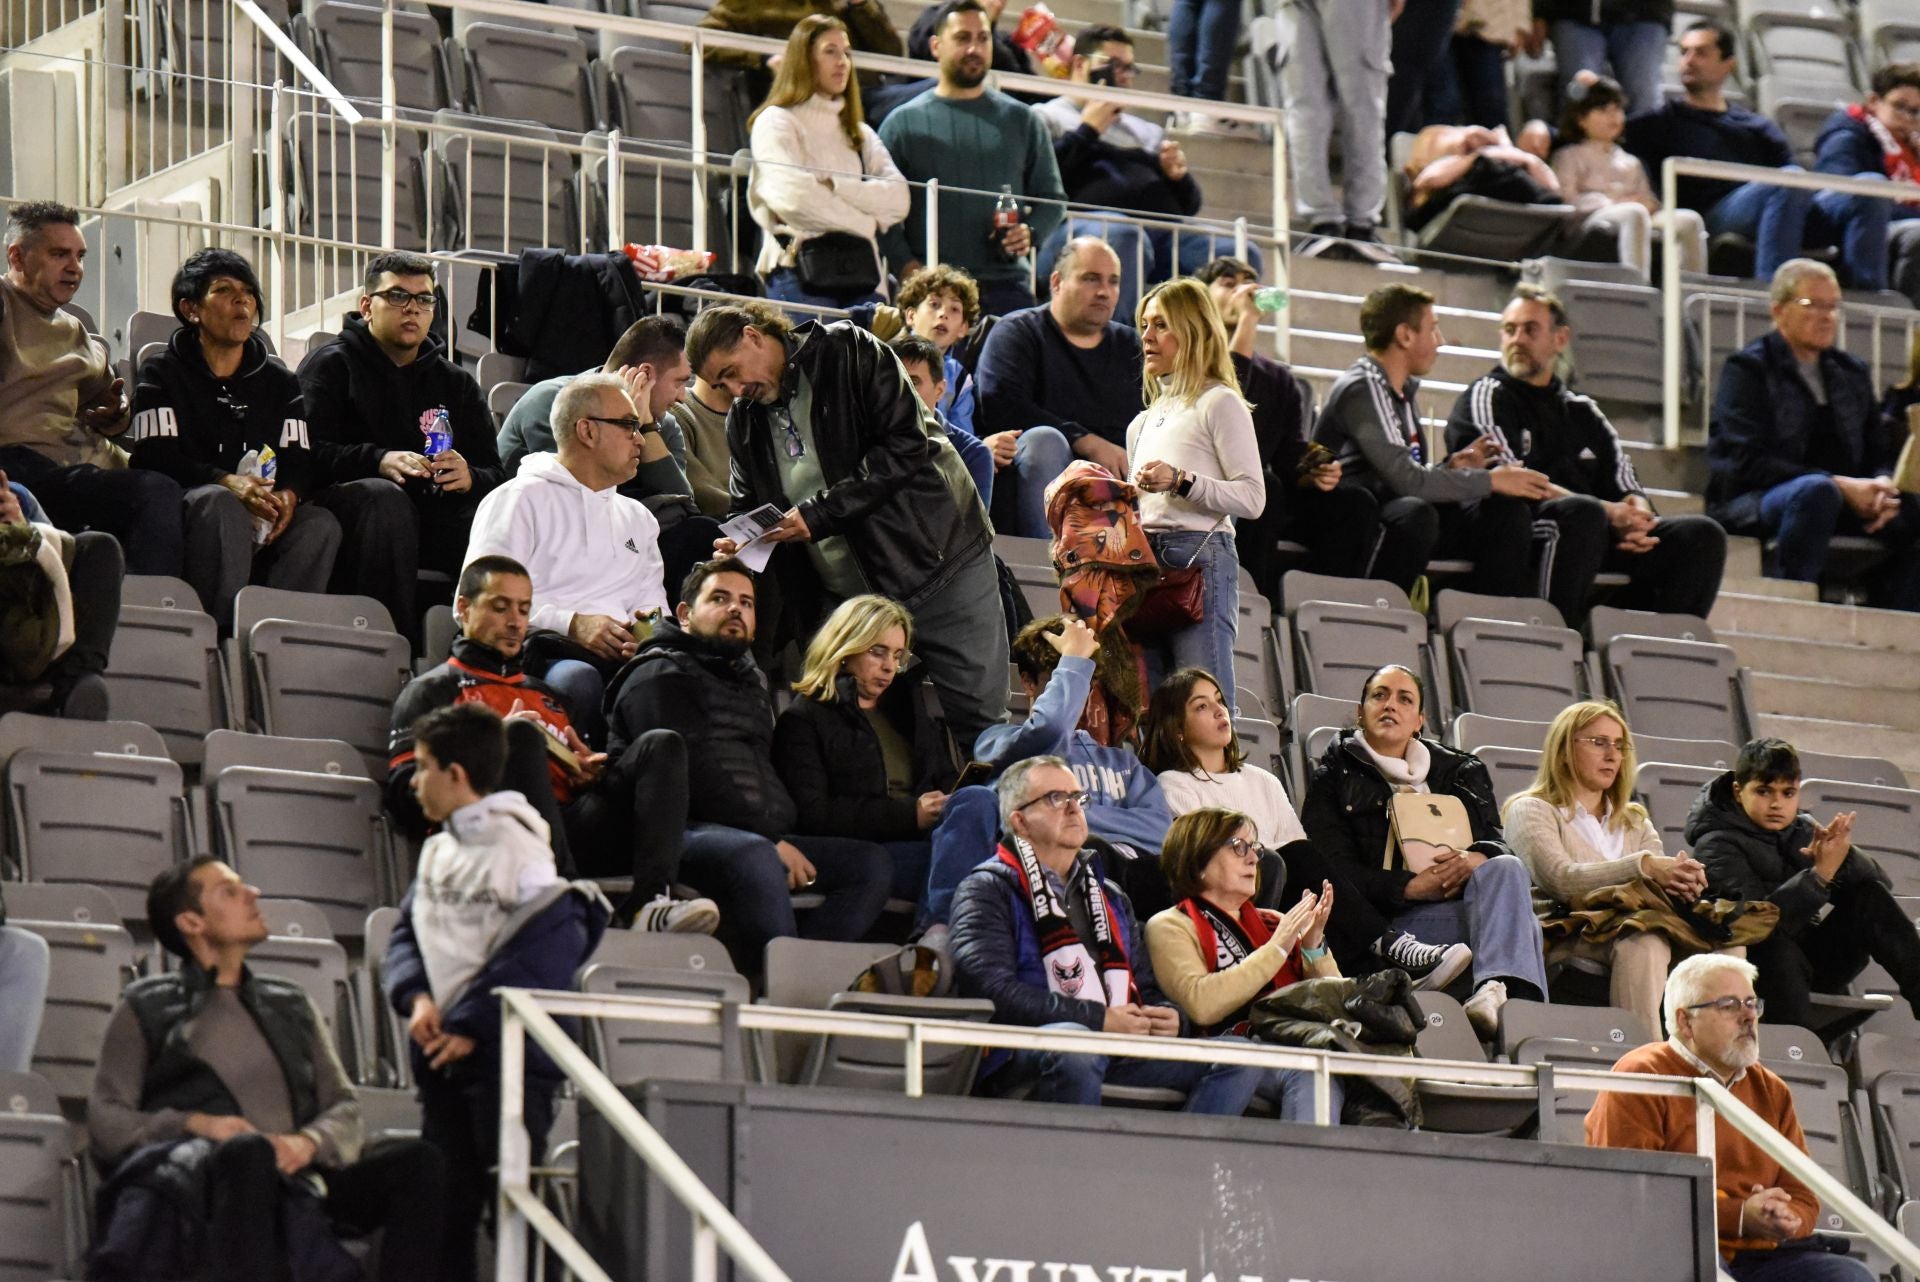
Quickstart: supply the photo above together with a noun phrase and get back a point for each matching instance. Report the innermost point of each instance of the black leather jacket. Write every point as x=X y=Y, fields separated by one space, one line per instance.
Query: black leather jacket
x=1345 y=813
x=896 y=490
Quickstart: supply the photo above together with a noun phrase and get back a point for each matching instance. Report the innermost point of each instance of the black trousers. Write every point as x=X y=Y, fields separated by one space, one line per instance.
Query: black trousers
x=631 y=822
x=1680 y=575
x=1865 y=923
x=95 y=582
x=139 y=507
x=388 y=534
x=1341 y=529
x=460 y=1117
x=398 y=1187
x=1356 y=924
x=1496 y=534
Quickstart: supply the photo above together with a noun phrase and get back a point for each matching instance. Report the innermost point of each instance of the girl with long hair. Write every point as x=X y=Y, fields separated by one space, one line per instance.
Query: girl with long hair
x=1200 y=465
x=820 y=173
x=1606 y=182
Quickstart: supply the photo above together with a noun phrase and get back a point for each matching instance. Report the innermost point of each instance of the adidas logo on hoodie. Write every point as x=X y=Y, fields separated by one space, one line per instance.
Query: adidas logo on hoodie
x=632 y=547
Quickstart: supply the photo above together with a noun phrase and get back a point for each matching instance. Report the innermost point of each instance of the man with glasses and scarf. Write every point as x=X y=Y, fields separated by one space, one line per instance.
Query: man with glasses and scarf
x=1764 y=1215
x=212 y=396
x=1040 y=932
x=404 y=437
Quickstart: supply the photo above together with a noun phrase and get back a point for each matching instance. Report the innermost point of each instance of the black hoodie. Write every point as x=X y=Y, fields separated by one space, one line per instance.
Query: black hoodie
x=194 y=427
x=1745 y=861
x=362 y=405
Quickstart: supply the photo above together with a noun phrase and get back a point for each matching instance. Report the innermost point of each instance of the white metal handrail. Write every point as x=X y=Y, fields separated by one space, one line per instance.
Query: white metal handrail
x=1672 y=332
x=301 y=63
x=917 y=1034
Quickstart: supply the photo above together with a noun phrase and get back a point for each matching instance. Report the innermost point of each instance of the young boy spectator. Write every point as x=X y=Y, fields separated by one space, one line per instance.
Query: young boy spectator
x=1836 y=910
x=926 y=370
x=487 y=910
x=942 y=304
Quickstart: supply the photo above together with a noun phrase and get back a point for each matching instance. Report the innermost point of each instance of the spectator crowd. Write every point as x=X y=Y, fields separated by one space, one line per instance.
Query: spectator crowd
x=733 y=638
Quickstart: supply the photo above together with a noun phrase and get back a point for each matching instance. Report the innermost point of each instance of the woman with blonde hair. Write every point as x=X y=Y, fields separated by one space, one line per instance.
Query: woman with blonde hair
x=823 y=186
x=1579 y=830
x=1200 y=466
x=862 y=750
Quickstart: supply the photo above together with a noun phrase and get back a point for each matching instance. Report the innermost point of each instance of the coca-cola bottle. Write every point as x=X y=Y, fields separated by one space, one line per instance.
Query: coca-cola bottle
x=1006 y=216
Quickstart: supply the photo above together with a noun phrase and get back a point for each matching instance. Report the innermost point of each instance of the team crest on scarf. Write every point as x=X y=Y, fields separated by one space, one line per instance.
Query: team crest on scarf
x=1072 y=962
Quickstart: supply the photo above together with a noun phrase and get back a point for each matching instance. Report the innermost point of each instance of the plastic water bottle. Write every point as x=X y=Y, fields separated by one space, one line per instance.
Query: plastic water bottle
x=261 y=465
x=1269 y=299
x=1006 y=216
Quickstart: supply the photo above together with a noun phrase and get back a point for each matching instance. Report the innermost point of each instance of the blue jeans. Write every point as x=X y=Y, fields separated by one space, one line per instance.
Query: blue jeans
x=742 y=871
x=783 y=286
x=1859 y=224
x=963 y=840
x=1020 y=489
x=1803 y=515
x=1290 y=1092
x=1209 y=643
x=1200 y=40
x=580 y=687
x=1774 y=218
x=910 y=860
x=1494 y=917
x=1635 y=51
x=24 y=966
x=1148 y=255
x=1076 y=1079
x=1796 y=1266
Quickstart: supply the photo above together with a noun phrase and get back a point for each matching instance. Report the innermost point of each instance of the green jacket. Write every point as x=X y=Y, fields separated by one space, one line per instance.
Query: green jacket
x=31 y=603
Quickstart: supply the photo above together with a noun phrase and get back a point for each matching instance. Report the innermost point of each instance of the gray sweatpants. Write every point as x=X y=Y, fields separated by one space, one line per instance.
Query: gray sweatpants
x=221 y=556
x=1335 y=73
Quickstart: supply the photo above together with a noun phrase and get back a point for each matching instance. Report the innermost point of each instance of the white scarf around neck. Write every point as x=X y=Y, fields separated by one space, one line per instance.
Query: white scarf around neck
x=1403 y=775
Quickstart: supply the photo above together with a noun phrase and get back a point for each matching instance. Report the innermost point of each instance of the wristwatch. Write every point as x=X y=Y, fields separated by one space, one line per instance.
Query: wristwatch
x=1184 y=485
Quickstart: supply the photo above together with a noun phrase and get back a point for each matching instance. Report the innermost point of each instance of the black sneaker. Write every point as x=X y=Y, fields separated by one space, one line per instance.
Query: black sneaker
x=1363 y=242
x=1432 y=966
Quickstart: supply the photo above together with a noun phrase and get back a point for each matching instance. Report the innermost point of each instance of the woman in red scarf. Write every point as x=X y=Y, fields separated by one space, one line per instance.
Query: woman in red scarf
x=1215 y=954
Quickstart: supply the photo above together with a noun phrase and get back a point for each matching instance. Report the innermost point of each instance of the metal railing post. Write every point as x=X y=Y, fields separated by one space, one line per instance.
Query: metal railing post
x=1323 y=1093
x=916 y=1064
x=933 y=223
x=510 y=1226
x=277 y=217
x=389 y=142
x=616 y=195
x=698 y=100
x=1673 y=340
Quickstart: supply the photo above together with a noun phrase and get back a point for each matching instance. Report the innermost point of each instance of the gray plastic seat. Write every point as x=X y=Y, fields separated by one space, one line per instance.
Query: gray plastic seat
x=40 y=1198
x=319 y=967
x=1668 y=792
x=91 y=962
x=164 y=670
x=1512 y=770
x=77 y=903
x=345 y=40
x=1297 y=587
x=439 y=630
x=337 y=172
x=1717 y=753
x=96 y=819
x=1804 y=51
x=1461 y=1107
x=1677 y=689
x=651 y=951
x=518 y=74
x=297 y=835
x=382 y=1031
x=504 y=193
x=1314 y=721
x=635 y=1050
x=1337 y=646
x=1566 y=1124
x=1886 y=824
x=1474 y=731
x=326 y=680
x=1611 y=1026
x=161 y=590
x=1605 y=622
x=1619 y=354
x=807 y=973
x=226 y=748
x=1876 y=771
x=1521 y=671
x=867 y=1063
x=1260 y=740
x=1015 y=550
x=501 y=398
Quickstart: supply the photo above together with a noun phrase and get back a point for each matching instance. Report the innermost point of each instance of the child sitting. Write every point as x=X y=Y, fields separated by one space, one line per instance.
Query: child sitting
x=1605 y=181
x=1836 y=910
x=487 y=910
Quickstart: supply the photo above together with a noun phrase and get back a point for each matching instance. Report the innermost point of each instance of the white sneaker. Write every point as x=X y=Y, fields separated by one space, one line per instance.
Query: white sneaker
x=668 y=916
x=1483 y=1009
x=1199 y=122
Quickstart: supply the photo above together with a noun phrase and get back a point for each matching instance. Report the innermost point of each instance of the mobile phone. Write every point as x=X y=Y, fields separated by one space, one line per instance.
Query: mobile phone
x=1101 y=75
x=973 y=772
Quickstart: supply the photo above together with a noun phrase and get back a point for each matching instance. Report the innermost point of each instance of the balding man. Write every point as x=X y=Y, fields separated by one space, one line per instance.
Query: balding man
x=1797 y=453
x=592 y=552
x=1066 y=377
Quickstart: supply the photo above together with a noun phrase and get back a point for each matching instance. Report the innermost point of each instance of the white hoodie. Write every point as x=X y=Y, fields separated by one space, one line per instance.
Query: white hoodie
x=486 y=860
x=589 y=552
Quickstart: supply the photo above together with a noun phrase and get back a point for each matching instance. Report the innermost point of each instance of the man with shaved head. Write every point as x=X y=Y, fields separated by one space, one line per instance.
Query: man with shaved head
x=1066 y=377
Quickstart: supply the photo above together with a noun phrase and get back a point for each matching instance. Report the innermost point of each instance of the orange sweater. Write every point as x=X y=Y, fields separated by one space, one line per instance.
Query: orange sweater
x=1664 y=1123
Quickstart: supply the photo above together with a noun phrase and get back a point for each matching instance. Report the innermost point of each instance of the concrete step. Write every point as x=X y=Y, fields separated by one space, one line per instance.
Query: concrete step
x=1337 y=348
x=1809 y=696
x=1858 y=625
x=1778 y=589
x=1743 y=562
x=1462 y=327
x=1662 y=468
x=1819 y=734
x=1675 y=502
x=1893 y=669
x=1468 y=290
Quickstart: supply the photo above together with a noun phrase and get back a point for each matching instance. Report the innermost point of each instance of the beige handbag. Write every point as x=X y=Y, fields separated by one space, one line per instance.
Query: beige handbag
x=1906 y=473
x=1421 y=824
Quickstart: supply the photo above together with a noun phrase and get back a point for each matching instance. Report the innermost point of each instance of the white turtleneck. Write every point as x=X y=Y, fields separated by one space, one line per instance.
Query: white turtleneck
x=794 y=150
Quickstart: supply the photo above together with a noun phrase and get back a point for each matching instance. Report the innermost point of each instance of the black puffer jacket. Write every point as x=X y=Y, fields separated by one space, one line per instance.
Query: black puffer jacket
x=715 y=697
x=194 y=427
x=896 y=490
x=1745 y=861
x=830 y=759
x=1345 y=813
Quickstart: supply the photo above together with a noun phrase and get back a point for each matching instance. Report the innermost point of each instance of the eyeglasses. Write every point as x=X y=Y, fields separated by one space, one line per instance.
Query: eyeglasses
x=1820 y=308
x=880 y=654
x=1904 y=110
x=400 y=299
x=782 y=418
x=1242 y=847
x=1057 y=800
x=1733 y=1005
x=632 y=425
x=1603 y=744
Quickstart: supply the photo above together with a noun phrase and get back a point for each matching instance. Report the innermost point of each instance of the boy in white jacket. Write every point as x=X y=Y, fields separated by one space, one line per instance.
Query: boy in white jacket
x=593 y=553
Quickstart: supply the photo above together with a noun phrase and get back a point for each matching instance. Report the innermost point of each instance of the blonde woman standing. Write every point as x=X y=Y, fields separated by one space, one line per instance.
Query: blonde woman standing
x=1199 y=469
x=1578 y=830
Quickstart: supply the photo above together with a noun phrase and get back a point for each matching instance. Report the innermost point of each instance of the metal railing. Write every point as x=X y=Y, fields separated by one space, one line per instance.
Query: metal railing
x=1673 y=300
x=529 y=1013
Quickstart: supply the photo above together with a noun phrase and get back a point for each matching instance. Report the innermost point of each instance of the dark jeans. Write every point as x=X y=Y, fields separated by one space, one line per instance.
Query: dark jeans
x=399 y=1187
x=140 y=508
x=389 y=534
x=742 y=871
x=1059 y=1078
x=1803 y=515
x=460 y=1116
x=1355 y=924
x=1420 y=38
x=1680 y=575
x=1796 y=1266
x=1200 y=39
x=1865 y=923
x=94 y=580
x=1470 y=87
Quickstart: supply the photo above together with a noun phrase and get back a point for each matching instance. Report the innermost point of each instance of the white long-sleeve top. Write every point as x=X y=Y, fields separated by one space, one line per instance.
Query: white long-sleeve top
x=793 y=148
x=589 y=551
x=1211 y=437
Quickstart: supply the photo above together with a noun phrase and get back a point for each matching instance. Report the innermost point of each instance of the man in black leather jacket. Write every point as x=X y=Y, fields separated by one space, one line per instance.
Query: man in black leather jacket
x=826 y=426
x=212 y=1052
x=696 y=676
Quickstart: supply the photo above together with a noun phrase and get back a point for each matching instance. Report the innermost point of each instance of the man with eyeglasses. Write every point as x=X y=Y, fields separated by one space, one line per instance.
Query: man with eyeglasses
x=371 y=399
x=1880 y=139
x=1764 y=1215
x=1040 y=931
x=1116 y=160
x=1797 y=451
x=200 y=405
x=593 y=553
